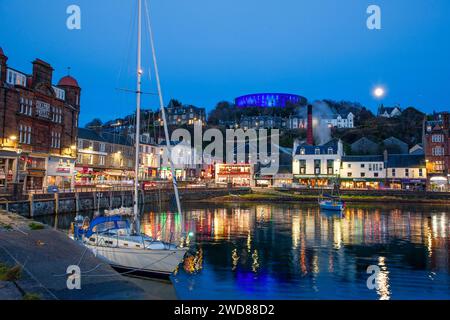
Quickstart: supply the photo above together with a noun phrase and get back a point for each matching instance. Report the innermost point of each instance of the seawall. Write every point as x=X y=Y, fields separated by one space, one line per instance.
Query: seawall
x=34 y=205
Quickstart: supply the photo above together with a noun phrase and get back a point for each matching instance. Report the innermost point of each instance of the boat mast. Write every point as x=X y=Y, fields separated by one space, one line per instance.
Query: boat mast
x=163 y=113
x=138 y=121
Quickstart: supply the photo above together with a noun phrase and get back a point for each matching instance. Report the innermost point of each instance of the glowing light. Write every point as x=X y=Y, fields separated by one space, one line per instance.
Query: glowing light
x=379 y=92
x=13 y=138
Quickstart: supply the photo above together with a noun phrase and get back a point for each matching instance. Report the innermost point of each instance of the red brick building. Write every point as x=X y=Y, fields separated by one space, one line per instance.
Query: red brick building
x=437 y=151
x=38 y=127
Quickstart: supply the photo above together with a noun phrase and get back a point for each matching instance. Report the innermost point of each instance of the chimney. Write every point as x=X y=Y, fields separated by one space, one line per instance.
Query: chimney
x=309 y=126
x=42 y=72
x=3 y=60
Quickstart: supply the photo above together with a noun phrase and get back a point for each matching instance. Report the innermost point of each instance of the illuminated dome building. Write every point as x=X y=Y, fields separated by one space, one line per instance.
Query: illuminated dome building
x=266 y=100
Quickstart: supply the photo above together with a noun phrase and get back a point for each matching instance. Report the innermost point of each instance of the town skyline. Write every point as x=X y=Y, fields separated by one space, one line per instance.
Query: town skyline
x=214 y=66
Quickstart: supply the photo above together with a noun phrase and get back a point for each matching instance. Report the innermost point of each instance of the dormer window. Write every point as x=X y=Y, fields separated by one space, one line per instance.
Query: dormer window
x=302 y=151
x=317 y=151
x=330 y=150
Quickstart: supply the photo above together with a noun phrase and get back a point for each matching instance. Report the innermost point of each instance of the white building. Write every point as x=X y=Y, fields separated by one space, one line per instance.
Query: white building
x=389 y=112
x=343 y=120
x=406 y=171
x=362 y=172
x=317 y=166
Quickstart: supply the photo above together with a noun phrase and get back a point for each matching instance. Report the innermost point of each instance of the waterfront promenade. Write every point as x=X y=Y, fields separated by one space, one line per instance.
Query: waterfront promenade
x=44 y=255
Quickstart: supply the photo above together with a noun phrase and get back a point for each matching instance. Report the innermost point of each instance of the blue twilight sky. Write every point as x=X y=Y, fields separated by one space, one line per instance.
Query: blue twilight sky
x=212 y=50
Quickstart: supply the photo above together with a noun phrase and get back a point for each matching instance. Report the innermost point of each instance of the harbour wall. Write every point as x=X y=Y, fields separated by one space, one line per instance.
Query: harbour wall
x=34 y=205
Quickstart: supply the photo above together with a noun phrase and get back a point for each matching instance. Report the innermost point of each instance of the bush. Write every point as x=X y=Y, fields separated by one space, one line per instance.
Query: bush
x=36 y=226
x=10 y=274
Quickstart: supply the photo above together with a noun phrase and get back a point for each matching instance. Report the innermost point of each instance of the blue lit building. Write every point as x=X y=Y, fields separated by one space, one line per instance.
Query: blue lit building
x=269 y=100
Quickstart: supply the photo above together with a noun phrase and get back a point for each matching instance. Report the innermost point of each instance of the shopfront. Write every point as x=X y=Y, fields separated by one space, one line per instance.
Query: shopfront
x=414 y=184
x=439 y=183
x=235 y=174
x=8 y=167
x=362 y=184
x=317 y=181
x=35 y=168
x=166 y=174
x=60 y=172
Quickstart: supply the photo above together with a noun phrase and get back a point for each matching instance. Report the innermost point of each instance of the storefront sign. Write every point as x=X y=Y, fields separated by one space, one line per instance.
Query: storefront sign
x=60 y=167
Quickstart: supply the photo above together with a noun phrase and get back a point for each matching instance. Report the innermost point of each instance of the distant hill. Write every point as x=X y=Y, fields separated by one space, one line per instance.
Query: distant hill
x=407 y=127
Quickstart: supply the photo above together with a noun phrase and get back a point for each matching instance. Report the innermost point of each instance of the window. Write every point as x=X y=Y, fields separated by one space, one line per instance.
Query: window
x=56 y=140
x=437 y=151
x=56 y=114
x=420 y=172
x=330 y=150
x=102 y=160
x=363 y=174
x=316 y=166
x=349 y=165
x=375 y=174
x=16 y=78
x=60 y=93
x=363 y=165
x=102 y=147
x=26 y=106
x=91 y=159
x=24 y=134
x=80 y=143
x=406 y=172
x=437 y=138
x=302 y=166
x=370 y=167
x=330 y=166
x=349 y=174
x=317 y=151
x=393 y=172
x=302 y=151
x=80 y=158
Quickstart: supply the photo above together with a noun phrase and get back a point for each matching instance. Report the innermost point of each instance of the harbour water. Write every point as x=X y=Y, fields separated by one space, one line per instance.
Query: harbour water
x=294 y=251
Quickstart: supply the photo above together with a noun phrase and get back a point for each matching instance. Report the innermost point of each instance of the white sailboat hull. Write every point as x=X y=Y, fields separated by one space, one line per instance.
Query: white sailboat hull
x=142 y=262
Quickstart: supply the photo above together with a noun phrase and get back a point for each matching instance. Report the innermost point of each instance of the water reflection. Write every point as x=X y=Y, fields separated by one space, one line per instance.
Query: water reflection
x=297 y=252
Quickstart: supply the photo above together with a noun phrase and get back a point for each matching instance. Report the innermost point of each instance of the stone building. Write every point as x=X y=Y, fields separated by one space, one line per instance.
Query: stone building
x=183 y=115
x=104 y=159
x=38 y=127
x=437 y=151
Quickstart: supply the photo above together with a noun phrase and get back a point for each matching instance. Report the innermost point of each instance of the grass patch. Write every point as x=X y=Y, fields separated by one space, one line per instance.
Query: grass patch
x=6 y=226
x=10 y=273
x=31 y=296
x=35 y=226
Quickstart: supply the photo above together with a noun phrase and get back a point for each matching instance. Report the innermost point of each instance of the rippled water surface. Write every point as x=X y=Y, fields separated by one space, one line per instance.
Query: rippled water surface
x=297 y=252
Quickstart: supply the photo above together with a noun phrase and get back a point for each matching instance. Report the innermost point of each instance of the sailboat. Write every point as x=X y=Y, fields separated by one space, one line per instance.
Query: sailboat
x=333 y=201
x=112 y=237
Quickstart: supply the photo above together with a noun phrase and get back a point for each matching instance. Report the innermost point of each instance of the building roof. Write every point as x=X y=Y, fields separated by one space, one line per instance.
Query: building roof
x=370 y=158
x=364 y=140
x=88 y=134
x=405 y=160
x=388 y=109
x=309 y=149
x=394 y=140
x=68 y=81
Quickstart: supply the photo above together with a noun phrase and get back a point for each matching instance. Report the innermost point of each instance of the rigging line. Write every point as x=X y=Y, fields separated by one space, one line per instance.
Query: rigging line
x=128 y=51
x=161 y=102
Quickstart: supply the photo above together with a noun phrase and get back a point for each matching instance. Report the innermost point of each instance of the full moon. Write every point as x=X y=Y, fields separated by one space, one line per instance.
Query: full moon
x=378 y=92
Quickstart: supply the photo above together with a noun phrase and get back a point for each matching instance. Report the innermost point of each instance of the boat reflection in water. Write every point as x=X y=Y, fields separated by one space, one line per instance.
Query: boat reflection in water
x=297 y=252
